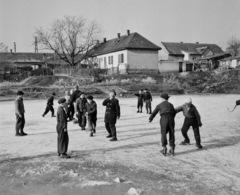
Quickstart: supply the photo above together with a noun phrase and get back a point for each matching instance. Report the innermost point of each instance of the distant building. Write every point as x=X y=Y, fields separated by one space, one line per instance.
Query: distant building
x=188 y=51
x=230 y=62
x=182 y=57
x=132 y=51
x=34 y=60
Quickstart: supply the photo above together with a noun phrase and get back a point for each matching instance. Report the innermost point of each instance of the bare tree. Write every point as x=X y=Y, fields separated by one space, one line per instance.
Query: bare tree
x=71 y=38
x=234 y=46
x=3 y=47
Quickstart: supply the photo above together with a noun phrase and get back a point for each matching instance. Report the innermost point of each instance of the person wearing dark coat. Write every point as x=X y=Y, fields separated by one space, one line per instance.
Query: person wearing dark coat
x=111 y=115
x=148 y=100
x=167 y=123
x=140 y=96
x=19 y=112
x=49 y=106
x=74 y=96
x=192 y=119
x=62 y=132
x=81 y=110
x=91 y=113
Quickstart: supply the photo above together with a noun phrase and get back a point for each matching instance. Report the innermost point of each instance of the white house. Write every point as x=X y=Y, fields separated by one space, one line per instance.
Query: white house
x=131 y=51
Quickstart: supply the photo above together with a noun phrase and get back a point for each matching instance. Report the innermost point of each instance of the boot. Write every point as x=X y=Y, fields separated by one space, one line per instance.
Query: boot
x=109 y=136
x=185 y=143
x=91 y=134
x=65 y=156
x=43 y=115
x=113 y=139
x=22 y=133
x=164 y=151
x=171 y=151
x=94 y=131
x=138 y=111
x=199 y=146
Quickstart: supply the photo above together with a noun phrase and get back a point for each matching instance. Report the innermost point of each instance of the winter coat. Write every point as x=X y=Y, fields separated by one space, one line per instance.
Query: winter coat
x=112 y=110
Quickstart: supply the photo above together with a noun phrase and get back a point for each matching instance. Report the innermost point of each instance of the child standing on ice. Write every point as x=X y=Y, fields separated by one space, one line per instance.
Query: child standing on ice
x=91 y=113
x=140 y=96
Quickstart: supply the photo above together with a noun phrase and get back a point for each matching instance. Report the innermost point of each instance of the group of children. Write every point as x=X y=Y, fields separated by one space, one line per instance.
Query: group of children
x=86 y=112
x=144 y=96
x=167 y=123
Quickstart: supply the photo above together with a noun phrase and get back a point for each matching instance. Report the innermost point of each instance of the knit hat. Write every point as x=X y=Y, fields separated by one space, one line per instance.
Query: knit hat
x=20 y=93
x=53 y=93
x=61 y=100
x=188 y=100
x=165 y=96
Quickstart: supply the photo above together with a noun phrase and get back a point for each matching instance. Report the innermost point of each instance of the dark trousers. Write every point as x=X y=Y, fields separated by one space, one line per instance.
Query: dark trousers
x=188 y=122
x=81 y=119
x=92 y=123
x=148 y=106
x=111 y=129
x=167 y=124
x=62 y=142
x=70 y=111
x=20 y=123
x=49 y=108
x=139 y=105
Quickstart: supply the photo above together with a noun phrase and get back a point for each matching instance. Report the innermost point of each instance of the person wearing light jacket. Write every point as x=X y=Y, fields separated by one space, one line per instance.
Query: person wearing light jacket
x=192 y=119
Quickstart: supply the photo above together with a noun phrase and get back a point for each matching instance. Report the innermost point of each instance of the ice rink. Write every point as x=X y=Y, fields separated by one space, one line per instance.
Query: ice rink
x=216 y=166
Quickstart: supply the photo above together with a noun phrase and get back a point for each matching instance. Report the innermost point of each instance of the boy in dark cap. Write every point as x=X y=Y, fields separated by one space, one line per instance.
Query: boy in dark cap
x=167 y=123
x=62 y=129
x=50 y=105
x=81 y=110
x=148 y=100
x=192 y=119
x=111 y=115
x=19 y=111
x=91 y=113
x=140 y=101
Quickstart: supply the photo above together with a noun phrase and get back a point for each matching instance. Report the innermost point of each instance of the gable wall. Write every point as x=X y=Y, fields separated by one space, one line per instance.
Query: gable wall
x=142 y=59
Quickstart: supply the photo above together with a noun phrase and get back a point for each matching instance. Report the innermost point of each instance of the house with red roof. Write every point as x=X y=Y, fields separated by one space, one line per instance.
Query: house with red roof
x=129 y=51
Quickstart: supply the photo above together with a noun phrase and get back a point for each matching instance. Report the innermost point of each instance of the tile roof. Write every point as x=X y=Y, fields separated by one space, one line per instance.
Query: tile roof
x=26 y=57
x=193 y=48
x=131 y=41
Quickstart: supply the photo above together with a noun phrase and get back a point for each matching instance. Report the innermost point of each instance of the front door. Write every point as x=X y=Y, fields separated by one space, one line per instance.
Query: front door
x=180 y=66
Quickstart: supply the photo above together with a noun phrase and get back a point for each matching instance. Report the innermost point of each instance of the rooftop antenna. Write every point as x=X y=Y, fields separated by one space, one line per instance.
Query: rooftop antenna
x=36 y=45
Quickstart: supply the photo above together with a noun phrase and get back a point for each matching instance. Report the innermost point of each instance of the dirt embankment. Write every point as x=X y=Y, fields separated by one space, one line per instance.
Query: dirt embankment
x=127 y=85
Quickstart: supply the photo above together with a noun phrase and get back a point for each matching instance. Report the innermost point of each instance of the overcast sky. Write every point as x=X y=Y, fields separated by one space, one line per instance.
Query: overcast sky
x=205 y=21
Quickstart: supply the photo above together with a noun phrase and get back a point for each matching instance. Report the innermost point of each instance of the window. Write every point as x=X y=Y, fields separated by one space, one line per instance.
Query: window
x=105 y=62
x=110 y=60
x=120 y=58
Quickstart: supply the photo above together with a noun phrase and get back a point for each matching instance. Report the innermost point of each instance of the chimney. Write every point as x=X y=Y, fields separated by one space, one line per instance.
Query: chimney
x=15 y=48
x=104 y=40
x=118 y=35
x=197 y=42
x=97 y=42
x=10 y=50
x=128 y=32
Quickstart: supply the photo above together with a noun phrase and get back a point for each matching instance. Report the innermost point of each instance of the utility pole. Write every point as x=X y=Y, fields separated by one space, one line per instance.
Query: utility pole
x=36 y=45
